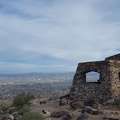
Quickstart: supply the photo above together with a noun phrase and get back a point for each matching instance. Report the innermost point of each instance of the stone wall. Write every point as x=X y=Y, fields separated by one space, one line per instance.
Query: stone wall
x=115 y=77
x=107 y=87
x=114 y=57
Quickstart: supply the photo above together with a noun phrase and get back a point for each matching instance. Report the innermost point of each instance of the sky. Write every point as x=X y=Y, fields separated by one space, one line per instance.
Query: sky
x=56 y=35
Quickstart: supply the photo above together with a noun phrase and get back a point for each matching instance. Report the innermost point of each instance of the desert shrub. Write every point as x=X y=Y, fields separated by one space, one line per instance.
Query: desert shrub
x=22 y=99
x=4 y=106
x=32 y=116
x=20 y=110
x=23 y=110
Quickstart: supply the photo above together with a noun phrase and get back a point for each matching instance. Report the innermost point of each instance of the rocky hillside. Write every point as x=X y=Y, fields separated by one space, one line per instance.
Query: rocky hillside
x=51 y=109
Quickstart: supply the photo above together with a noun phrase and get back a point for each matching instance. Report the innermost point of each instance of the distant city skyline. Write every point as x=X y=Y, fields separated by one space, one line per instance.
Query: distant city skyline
x=56 y=35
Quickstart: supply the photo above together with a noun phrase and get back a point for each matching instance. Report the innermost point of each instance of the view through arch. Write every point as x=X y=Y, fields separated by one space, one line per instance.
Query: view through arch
x=92 y=76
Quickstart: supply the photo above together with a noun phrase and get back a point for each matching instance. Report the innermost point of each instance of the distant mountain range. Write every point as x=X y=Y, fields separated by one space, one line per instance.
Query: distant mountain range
x=38 y=74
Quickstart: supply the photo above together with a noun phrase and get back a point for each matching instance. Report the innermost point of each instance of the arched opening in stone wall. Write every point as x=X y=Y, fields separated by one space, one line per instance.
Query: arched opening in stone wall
x=93 y=77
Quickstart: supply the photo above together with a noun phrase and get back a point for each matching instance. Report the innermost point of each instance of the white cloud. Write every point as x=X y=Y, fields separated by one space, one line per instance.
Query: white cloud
x=70 y=30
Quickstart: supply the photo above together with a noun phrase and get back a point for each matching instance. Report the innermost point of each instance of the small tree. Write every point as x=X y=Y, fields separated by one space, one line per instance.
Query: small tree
x=22 y=99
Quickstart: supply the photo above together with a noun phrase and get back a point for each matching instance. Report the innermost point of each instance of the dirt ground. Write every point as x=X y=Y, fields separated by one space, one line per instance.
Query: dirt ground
x=53 y=106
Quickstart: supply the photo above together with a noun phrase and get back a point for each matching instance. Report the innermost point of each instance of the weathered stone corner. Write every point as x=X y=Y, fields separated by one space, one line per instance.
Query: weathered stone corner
x=108 y=85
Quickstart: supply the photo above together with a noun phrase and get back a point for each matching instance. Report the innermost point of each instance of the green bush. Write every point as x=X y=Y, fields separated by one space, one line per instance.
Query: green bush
x=20 y=110
x=4 y=106
x=22 y=99
x=32 y=116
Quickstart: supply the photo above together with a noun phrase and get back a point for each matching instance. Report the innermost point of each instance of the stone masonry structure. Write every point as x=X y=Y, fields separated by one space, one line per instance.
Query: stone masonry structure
x=108 y=85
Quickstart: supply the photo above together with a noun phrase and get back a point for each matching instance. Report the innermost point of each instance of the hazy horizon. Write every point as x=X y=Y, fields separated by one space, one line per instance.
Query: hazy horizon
x=36 y=72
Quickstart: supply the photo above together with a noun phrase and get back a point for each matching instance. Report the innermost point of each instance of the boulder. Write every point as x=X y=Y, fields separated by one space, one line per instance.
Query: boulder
x=57 y=114
x=105 y=112
x=90 y=103
x=97 y=106
x=107 y=118
x=7 y=117
x=65 y=118
x=18 y=117
x=87 y=109
x=46 y=114
x=42 y=102
x=84 y=116
x=76 y=105
x=90 y=110
x=62 y=102
x=109 y=102
x=96 y=112
x=11 y=117
x=67 y=115
x=15 y=113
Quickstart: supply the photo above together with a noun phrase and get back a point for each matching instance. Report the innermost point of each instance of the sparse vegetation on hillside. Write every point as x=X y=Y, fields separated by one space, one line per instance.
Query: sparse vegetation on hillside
x=22 y=99
x=32 y=116
x=4 y=106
